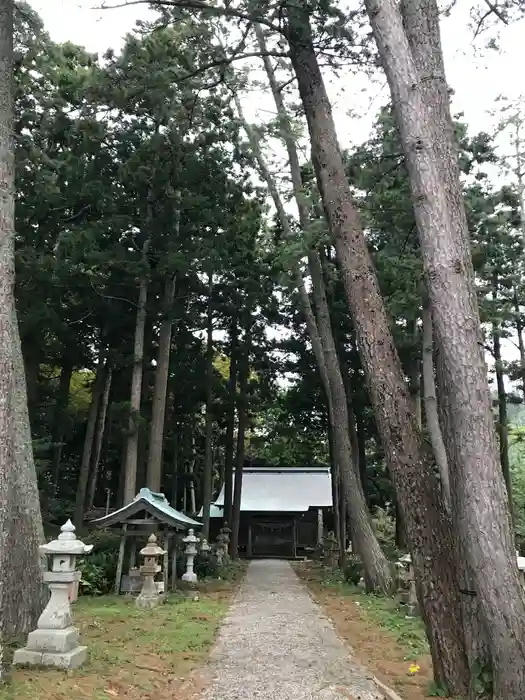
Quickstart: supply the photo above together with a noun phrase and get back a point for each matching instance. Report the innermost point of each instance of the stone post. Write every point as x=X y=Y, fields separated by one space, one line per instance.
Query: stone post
x=226 y=532
x=330 y=550
x=55 y=640
x=521 y=567
x=219 y=549
x=149 y=596
x=191 y=550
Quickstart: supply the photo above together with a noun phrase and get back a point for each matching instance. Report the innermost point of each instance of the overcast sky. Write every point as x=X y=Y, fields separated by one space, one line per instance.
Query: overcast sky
x=477 y=76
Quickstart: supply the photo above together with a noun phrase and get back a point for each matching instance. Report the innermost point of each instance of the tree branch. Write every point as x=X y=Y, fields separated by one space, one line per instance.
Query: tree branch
x=196 y=5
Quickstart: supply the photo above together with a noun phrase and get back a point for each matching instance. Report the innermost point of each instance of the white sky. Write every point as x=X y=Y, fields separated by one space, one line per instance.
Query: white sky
x=477 y=76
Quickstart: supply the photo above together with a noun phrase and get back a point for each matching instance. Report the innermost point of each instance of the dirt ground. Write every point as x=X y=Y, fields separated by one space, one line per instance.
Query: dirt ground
x=134 y=654
x=390 y=654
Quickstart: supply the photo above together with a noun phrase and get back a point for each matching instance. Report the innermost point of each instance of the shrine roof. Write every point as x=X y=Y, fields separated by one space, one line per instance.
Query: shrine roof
x=280 y=490
x=155 y=504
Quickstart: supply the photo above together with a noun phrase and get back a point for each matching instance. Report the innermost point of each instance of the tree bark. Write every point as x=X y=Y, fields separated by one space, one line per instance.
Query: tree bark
x=130 y=478
x=61 y=405
x=156 y=441
x=230 y=428
x=411 y=465
x=521 y=343
x=207 y=475
x=439 y=212
x=21 y=590
x=242 y=412
x=430 y=402
x=377 y=570
x=96 y=395
x=99 y=437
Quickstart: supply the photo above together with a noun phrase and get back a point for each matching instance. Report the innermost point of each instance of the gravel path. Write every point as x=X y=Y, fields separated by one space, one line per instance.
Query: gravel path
x=275 y=644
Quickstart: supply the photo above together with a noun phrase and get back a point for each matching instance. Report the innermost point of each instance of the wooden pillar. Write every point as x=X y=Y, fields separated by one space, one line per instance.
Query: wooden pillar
x=133 y=553
x=320 y=526
x=249 y=552
x=166 y=562
x=174 y=565
x=120 y=562
x=294 y=538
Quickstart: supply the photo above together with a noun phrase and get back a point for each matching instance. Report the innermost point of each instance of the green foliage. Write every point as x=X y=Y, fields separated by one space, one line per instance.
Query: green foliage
x=353 y=569
x=98 y=573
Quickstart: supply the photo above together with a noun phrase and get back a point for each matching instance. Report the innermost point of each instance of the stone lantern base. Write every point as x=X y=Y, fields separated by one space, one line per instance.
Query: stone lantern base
x=57 y=648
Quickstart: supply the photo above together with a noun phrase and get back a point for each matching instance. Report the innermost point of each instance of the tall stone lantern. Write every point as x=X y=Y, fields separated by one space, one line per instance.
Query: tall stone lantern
x=55 y=641
x=149 y=596
x=191 y=550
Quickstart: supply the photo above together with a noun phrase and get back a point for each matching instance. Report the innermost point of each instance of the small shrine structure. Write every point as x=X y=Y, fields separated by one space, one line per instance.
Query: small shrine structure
x=148 y=513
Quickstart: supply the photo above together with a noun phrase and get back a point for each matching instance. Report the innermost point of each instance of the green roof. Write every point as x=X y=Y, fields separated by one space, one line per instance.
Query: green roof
x=156 y=504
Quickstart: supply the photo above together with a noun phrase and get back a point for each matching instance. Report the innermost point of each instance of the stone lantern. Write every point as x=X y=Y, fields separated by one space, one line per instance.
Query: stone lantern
x=412 y=604
x=149 y=596
x=191 y=550
x=226 y=532
x=220 y=549
x=521 y=567
x=55 y=641
x=205 y=547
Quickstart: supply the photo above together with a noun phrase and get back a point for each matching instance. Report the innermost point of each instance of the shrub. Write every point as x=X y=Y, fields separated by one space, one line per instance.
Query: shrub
x=353 y=569
x=98 y=573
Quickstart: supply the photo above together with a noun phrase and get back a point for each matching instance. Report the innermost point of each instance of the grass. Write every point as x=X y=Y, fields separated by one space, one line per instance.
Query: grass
x=133 y=654
x=388 y=613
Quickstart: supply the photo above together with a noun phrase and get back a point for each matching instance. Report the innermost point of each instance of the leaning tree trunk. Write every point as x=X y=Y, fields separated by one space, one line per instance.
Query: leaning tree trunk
x=156 y=441
x=243 y=413
x=96 y=395
x=377 y=570
x=230 y=427
x=430 y=402
x=99 y=437
x=130 y=467
x=411 y=465
x=434 y=177
x=207 y=474
x=21 y=590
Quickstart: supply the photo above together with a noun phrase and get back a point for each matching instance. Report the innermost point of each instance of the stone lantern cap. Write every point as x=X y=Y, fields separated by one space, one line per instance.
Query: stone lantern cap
x=152 y=549
x=191 y=539
x=66 y=543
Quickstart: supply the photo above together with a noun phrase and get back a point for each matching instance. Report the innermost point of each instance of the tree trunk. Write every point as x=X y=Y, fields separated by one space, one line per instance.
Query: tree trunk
x=207 y=474
x=99 y=437
x=230 y=428
x=58 y=422
x=96 y=395
x=411 y=465
x=242 y=412
x=377 y=570
x=156 y=441
x=21 y=590
x=521 y=343
x=503 y=423
x=31 y=355
x=439 y=212
x=130 y=483
x=430 y=402
x=378 y=574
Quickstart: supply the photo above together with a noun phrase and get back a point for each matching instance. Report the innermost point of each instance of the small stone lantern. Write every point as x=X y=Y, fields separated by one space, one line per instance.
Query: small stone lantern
x=412 y=604
x=149 y=596
x=220 y=549
x=55 y=641
x=226 y=532
x=191 y=550
x=205 y=547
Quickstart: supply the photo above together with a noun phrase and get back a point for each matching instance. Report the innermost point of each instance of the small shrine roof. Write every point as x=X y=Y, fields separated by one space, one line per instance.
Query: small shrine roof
x=155 y=504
